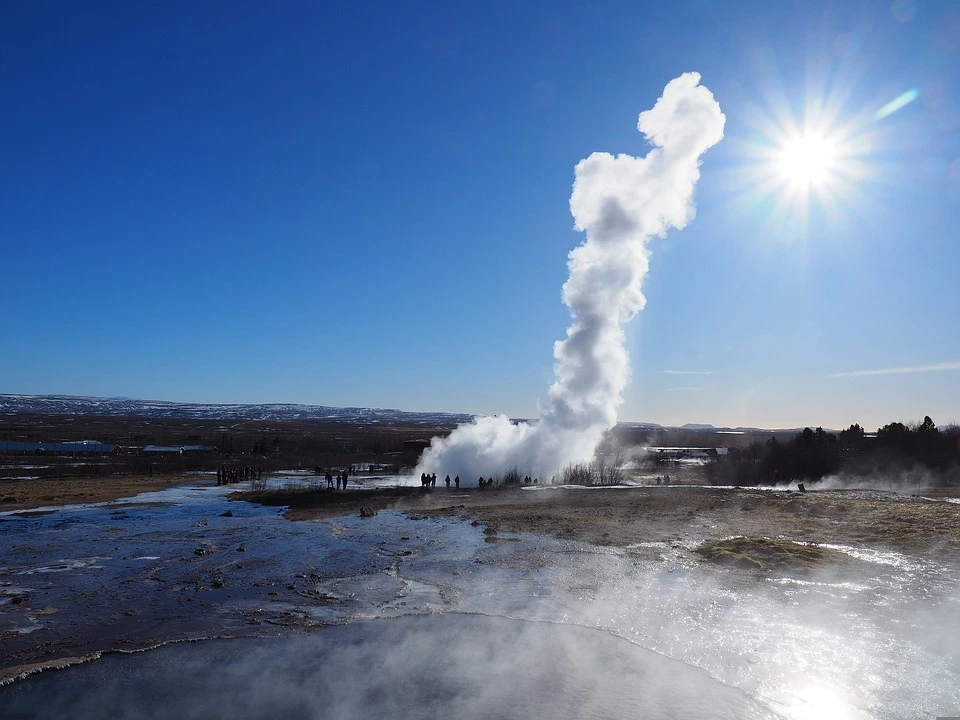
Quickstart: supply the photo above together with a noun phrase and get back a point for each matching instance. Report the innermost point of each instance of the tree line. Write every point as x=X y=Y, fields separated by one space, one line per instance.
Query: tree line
x=893 y=451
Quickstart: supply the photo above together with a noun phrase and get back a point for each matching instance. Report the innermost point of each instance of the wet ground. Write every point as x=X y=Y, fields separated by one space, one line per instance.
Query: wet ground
x=873 y=637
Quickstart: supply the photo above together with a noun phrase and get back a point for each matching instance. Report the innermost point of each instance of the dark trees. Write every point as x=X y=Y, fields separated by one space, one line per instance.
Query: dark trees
x=814 y=454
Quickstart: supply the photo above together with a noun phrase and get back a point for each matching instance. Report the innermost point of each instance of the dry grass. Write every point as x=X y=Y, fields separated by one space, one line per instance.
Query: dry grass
x=623 y=517
x=890 y=521
x=25 y=494
x=753 y=553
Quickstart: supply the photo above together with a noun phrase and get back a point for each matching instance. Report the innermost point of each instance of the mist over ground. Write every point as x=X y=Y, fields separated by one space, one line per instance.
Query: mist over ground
x=465 y=666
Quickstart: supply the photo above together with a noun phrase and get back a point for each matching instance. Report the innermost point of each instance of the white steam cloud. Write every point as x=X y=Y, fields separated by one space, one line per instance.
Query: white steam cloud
x=621 y=203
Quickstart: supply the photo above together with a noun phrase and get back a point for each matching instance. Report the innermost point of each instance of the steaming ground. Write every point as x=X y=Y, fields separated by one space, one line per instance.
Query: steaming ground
x=464 y=666
x=870 y=636
x=621 y=203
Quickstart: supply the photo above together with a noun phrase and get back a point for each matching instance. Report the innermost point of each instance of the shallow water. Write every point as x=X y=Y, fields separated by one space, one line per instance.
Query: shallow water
x=439 y=666
x=875 y=639
x=287 y=479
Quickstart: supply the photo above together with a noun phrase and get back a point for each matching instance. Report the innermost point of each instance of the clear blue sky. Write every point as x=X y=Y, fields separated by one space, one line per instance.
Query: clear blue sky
x=368 y=204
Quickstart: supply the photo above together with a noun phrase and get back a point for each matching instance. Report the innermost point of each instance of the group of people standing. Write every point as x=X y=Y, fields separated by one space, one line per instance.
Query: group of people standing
x=431 y=480
x=237 y=473
x=341 y=479
x=527 y=480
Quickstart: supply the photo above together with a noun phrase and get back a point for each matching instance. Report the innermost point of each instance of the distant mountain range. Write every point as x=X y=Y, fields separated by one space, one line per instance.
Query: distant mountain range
x=72 y=405
x=128 y=407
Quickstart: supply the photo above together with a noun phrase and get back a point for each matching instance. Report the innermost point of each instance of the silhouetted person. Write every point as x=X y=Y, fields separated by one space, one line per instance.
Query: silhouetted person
x=447 y=480
x=338 y=481
x=345 y=476
x=433 y=480
x=456 y=481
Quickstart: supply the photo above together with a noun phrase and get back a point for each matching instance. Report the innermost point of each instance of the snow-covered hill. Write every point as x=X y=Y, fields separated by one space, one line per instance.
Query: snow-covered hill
x=71 y=405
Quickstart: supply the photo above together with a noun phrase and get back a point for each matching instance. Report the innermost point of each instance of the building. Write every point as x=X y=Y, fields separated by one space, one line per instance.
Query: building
x=75 y=448
x=178 y=449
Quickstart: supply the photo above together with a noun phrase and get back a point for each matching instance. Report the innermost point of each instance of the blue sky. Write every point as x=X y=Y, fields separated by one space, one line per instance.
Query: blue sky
x=368 y=205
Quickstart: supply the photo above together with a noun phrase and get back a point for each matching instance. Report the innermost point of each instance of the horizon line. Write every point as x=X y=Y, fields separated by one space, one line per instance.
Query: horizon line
x=517 y=418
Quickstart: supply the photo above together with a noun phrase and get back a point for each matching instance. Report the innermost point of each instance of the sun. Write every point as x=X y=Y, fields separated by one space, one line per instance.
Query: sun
x=810 y=156
x=795 y=175
x=807 y=161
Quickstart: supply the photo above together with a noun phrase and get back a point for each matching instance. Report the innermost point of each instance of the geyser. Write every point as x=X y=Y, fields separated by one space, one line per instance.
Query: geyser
x=620 y=203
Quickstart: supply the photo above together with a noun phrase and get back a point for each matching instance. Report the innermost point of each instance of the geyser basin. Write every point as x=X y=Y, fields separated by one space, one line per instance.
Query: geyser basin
x=436 y=666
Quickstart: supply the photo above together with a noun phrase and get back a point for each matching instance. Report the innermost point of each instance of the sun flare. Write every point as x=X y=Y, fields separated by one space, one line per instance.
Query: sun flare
x=798 y=171
x=807 y=160
x=806 y=170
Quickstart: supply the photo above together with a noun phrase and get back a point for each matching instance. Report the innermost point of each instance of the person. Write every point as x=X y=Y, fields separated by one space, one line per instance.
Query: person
x=338 y=481
x=481 y=482
x=456 y=481
x=447 y=480
x=329 y=480
x=433 y=480
x=423 y=479
x=345 y=476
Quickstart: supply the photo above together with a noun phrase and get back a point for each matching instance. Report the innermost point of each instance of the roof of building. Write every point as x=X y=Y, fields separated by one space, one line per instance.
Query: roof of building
x=179 y=448
x=75 y=446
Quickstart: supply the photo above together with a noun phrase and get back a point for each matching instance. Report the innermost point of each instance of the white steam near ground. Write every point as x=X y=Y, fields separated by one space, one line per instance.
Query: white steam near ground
x=703 y=643
x=914 y=480
x=432 y=667
x=621 y=202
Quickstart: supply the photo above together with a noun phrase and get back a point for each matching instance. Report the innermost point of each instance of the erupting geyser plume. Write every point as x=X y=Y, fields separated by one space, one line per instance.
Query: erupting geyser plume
x=620 y=202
